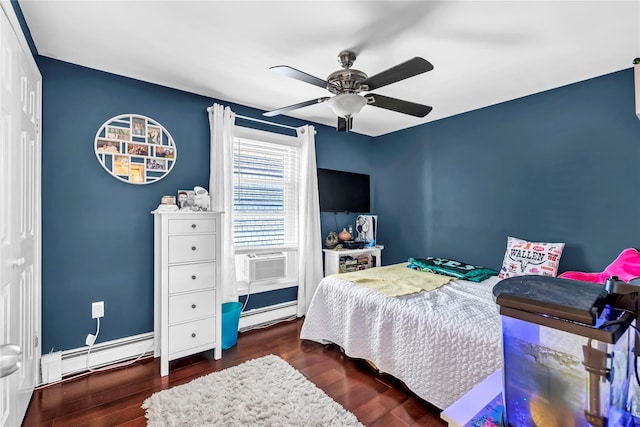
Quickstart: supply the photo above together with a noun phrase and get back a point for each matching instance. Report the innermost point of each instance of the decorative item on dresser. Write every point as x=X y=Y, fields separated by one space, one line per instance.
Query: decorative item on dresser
x=344 y=235
x=187 y=304
x=331 y=241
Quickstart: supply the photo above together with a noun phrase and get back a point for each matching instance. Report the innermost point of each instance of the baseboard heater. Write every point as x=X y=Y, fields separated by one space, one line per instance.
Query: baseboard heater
x=74 y=361
x=262 y=316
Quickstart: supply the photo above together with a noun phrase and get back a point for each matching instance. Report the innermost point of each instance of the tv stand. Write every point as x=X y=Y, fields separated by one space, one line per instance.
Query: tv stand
x=345 y=260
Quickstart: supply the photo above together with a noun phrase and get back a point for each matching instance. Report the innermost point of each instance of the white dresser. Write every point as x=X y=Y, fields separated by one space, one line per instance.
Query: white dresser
x=187 y=304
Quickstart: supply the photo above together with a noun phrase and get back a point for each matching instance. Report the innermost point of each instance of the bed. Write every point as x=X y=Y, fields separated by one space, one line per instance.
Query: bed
x=439 y=343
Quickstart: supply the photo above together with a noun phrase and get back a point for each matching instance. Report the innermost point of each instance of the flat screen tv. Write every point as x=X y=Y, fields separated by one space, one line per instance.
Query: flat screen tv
x=343 y=191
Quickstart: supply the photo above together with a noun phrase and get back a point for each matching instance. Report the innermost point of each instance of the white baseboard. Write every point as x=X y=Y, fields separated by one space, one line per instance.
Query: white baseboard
x=261 y=316
x=51 y=367
x=106 y=353
x=110 y=352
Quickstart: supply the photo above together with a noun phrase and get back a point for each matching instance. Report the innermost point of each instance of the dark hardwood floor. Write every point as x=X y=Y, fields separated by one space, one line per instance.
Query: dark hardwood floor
x=113 y=398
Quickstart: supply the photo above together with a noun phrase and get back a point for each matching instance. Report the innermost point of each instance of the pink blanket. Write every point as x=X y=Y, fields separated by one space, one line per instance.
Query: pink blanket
x=626 y=266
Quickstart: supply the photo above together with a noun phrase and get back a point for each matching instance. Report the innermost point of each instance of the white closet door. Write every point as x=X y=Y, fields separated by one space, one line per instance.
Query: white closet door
x=20 y=230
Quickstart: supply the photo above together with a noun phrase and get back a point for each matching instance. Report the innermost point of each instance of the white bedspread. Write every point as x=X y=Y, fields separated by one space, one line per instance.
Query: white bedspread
x=439 y=343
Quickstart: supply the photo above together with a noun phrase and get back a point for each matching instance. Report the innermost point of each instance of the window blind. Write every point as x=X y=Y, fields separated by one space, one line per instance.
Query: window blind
x=265 y=189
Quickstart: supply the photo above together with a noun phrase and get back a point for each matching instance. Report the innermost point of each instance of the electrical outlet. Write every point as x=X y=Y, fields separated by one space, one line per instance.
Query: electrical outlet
x=97 y=309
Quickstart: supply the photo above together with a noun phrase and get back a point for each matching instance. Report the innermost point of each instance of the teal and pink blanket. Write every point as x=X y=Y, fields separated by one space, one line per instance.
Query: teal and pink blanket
x=626 y=267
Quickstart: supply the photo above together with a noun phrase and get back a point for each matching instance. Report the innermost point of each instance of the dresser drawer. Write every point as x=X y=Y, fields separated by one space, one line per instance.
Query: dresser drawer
x=194 y=305
x=182 y=226
x=187 y=248
x=192 y=277
x=193 y=334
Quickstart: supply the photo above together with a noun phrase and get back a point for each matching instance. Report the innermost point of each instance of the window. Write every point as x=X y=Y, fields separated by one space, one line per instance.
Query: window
x=265 y=190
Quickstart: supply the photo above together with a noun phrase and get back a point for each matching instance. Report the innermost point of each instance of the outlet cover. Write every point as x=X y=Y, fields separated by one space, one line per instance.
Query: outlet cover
x=97 y=309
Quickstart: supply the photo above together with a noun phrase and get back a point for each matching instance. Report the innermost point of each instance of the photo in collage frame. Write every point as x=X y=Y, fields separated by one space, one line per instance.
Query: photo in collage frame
x=135 y=149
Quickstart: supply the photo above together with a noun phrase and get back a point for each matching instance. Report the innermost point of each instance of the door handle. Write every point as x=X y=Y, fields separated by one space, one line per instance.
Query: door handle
x=10 y=359
x=18 y=262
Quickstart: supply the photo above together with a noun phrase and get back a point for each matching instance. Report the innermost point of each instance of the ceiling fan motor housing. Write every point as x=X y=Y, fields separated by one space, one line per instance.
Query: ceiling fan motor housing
x=346 y=58
x=345 y=81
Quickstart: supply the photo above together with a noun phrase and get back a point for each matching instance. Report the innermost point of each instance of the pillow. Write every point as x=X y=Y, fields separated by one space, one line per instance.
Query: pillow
x=626 y=267
x=523 y=257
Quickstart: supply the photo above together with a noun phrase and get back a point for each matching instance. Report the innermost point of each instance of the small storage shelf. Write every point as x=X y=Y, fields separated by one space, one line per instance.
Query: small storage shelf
x=347 y=260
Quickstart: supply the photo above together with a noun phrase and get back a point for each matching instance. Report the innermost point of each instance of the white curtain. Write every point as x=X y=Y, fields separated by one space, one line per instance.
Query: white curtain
x=221 y=125
x=310 y=239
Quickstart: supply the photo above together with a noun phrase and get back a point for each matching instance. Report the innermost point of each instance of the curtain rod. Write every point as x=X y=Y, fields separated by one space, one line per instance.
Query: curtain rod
x=238 y=116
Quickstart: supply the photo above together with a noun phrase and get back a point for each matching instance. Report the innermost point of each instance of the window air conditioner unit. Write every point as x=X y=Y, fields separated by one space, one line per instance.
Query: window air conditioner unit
x=266 y=266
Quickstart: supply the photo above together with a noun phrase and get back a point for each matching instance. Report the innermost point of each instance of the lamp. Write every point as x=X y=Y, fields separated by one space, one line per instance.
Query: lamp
x=347 y=104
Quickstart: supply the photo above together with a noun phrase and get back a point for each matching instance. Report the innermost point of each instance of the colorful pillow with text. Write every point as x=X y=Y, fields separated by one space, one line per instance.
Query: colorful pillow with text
x=523 y=257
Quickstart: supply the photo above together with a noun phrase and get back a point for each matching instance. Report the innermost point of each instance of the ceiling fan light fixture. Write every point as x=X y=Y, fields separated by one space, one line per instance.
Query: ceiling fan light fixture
x=347 y=104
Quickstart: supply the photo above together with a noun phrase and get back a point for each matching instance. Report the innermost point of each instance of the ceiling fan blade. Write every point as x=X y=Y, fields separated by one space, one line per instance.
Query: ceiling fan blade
x=344 y=125
x=299 y=75
x=294 y=107
x=407 y=69
x=394 y=104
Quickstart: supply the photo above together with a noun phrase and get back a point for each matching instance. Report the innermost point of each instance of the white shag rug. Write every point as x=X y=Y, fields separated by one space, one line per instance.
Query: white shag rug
x=261 y=392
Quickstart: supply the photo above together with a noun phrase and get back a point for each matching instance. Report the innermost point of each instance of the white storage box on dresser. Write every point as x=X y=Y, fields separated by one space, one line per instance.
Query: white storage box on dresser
x=187 y=305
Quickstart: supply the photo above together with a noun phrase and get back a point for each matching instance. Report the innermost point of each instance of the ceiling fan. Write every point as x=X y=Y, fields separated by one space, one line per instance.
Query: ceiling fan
x=346 y=84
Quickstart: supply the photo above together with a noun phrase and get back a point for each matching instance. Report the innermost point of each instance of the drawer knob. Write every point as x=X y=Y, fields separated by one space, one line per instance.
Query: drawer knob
x=193 y=335
x=193 y=306
x=193 y=226
x=193 y=248
x=193 y=277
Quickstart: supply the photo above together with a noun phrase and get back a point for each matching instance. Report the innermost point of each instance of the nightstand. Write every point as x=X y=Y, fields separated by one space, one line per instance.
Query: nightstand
x=346 y=260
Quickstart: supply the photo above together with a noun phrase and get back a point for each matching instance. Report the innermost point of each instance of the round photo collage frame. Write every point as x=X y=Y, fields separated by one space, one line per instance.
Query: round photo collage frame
x=135 y=149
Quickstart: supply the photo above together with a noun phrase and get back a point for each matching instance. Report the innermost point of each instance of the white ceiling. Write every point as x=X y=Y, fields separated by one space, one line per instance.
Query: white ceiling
x=484 y=52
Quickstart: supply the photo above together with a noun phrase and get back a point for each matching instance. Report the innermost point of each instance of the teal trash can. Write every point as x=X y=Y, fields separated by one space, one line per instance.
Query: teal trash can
x=230 y=320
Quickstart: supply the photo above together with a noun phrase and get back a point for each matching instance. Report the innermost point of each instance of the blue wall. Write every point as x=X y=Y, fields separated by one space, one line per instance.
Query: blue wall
x=555 y=166
x=558 y=166
x=98 y=231
x=348 y=152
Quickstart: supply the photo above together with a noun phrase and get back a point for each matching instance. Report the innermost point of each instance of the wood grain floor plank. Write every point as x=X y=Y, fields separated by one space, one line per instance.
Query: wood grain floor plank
x=377 y=407
x=114 y=397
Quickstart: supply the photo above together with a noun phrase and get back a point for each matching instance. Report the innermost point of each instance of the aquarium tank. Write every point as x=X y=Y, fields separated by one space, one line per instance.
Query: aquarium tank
x=567 y=355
